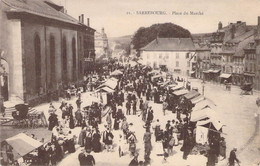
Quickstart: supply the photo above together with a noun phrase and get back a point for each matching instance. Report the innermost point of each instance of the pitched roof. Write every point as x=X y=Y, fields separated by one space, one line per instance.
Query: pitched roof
x=242 y=37
x=43 y=8
x=170 y=44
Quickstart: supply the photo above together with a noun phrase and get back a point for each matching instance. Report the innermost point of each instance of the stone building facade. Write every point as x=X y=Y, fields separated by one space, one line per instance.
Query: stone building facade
x=42 y=48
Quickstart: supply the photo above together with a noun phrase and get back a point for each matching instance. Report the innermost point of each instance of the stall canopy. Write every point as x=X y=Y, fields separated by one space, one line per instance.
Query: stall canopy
x=154 y=72
x=172 y=85
x=181 y=92
x=105 y=89
x=23 y=144
x=111 y=83
x=215 y=71
x=203 y=104
x=89 y=100
x=192 y=94
x=177 y=87
x=197 y=99
x=224 y=75
x=211 y=124
x=116 y=73
x=157 y=76
x=205 y=113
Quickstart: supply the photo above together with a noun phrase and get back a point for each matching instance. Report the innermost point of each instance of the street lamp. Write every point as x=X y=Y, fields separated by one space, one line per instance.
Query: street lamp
x=203 y=86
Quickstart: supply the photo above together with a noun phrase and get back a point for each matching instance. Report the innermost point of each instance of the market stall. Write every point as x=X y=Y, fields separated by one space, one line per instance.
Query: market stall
x=19 y=146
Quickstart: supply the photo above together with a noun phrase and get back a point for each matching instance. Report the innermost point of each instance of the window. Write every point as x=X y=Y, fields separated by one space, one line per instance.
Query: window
x=160 y=56
x=177 y=55
x=37 y=52
x=177 y=63
x=188 y=64
x=187 y=55
x=52 y=57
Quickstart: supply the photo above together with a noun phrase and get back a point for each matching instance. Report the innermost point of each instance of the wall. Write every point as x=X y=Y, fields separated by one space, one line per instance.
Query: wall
x=10 y=43
x=168 y=58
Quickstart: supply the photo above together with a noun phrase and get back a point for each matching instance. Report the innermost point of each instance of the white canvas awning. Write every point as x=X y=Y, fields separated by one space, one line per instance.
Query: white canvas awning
x=224 y=75
x=192 y=94
x=181 y=92
x=177 y=87
x=105 y=89
x=205 y=113
x=197 y=99
x=203 y=104
x=23 y=144
x=116 y=73
x=210 y=123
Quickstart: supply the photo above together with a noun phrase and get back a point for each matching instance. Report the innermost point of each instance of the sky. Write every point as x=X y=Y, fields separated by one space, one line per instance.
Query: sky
x=120 y=17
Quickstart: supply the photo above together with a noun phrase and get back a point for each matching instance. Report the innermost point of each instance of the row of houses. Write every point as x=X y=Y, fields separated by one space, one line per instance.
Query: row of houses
x=232 y=53
x=42 y=48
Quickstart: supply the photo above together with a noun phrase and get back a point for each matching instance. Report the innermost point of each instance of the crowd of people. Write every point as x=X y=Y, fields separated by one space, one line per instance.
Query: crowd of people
x=135 y=91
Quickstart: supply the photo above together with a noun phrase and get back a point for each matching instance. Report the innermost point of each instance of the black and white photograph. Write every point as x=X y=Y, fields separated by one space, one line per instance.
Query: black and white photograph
x=129 y=82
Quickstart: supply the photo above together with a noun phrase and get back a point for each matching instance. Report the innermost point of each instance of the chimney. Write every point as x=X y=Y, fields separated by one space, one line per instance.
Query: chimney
x=88 y=22
x=233 y=31
x=82 y=18
x=220 y=25
x=103 y=30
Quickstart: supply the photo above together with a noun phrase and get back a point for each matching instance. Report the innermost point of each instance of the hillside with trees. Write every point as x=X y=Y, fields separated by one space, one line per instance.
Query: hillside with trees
x=143 y=35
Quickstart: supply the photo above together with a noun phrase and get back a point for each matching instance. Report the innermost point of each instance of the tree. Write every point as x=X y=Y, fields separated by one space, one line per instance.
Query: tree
x=143 y=36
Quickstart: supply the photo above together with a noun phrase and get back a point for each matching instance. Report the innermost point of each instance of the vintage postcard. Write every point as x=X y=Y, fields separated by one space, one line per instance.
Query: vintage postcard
x=137 y=82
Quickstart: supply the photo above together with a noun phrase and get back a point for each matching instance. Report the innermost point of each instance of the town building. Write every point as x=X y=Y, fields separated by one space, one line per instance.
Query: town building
x=101 y=45
x=257 y=71
x=176 y=54
x=227 y=51
x=203 y=60
x=250 y=63
x=43 y=49
x=233 y=56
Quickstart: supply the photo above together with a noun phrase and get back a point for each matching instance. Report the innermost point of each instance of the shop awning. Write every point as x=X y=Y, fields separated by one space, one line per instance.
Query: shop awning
x=23 y=144
x=224 y=75
x=192 y=72
x=205 y=113
x=192 y=94
x=250 y=74
x=206 y=71
x=181 y=92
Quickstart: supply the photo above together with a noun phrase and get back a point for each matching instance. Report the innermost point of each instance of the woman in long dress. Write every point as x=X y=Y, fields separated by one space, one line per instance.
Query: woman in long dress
x=82 y=137
x=96 y=145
